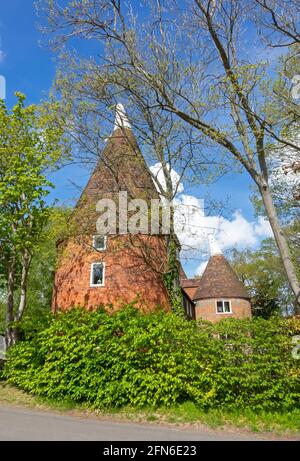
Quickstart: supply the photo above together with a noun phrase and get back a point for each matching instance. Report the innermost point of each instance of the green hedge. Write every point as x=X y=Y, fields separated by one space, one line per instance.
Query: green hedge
x=129 y=358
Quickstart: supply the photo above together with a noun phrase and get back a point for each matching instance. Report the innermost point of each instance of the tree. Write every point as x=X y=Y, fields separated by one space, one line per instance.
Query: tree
x=191 y=57
x=30 y=143
x=42 y=269
x=262 y=272
x=41 y=272
x=280 y=21
x=283 y=161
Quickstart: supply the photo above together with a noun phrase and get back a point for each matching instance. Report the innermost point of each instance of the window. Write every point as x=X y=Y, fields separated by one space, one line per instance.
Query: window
x=99 y=242
x=97 y=275
x=223 y=307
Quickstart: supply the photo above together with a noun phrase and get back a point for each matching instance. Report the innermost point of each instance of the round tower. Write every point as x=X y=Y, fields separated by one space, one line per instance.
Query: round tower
x=220 y=294
x=96 y=269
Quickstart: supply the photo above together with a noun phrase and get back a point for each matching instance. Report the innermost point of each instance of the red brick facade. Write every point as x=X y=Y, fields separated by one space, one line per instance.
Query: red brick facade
x=132 y=273
x=207 y=309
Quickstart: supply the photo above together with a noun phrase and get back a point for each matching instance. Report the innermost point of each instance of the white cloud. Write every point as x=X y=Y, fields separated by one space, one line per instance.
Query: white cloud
x=159 y=178
x=229 y=233
x=240 y=232
x=193 y=227
x=201 y=268
x=263 y=228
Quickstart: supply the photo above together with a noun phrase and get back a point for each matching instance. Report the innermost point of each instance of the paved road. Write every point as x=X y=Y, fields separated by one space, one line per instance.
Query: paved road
x=24 y=424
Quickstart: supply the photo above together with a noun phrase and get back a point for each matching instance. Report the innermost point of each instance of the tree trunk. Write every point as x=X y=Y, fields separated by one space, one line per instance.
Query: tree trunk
x=12 y=334
x=24 y=278
x=282 y=244
x=172 y=279
x=9 y=336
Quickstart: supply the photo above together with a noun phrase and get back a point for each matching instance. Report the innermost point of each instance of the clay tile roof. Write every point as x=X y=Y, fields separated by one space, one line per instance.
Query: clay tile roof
x=182 y=274
x=220 y=281
x=121 y=167
x=190 y=283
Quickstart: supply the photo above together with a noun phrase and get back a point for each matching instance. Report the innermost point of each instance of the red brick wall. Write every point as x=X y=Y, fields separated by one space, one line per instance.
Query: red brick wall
x=207 y=309
x=130 y=272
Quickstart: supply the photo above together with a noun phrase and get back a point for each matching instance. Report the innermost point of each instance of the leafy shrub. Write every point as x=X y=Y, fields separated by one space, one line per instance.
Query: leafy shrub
x=158 y=359
x=255 y=367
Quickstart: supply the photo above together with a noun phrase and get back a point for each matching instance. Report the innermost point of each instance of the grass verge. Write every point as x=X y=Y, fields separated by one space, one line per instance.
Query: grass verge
x=186 y=414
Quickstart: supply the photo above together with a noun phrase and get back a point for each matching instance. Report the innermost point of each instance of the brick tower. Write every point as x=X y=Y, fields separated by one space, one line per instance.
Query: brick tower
x=220 y=293
x=96 y=269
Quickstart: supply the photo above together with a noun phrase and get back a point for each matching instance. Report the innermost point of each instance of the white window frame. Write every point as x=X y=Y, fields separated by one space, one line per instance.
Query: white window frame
x=105 y=242
x=223 y=300
x=93 y=285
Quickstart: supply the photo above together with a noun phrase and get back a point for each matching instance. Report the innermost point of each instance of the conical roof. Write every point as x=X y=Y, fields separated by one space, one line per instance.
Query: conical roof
x=220 y=281
x=121 y=167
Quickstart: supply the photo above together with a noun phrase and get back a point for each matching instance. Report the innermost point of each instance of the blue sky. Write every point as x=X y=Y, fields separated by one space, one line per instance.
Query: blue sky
x=26 y=66
x=29 y=67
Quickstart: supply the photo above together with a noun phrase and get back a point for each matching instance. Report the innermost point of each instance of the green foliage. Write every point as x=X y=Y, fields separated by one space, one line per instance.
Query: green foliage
x=32 y=143
x=41 y=274
x=2 y=317
x=262 y=272
x=158 y=360
x=171 y=280
x=42 y=269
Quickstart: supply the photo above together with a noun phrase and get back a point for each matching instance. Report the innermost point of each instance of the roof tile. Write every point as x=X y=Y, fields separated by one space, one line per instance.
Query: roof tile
x=220 y=281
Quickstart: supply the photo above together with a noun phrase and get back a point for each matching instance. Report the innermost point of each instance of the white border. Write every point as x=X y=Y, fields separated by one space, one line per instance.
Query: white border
x=229 y=301
x=105 y=242
x=92 y=285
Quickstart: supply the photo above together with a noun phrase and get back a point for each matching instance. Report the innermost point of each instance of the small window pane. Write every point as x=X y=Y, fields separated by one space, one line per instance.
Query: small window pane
x=99 y=242
x=227 y=306
x=219 y=306
x=97 y=274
